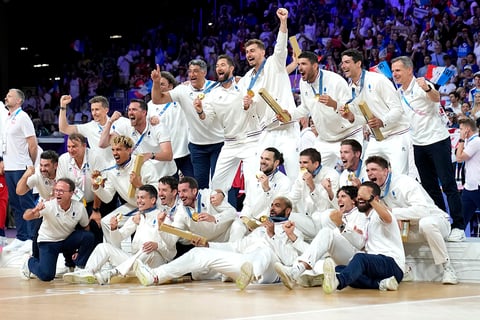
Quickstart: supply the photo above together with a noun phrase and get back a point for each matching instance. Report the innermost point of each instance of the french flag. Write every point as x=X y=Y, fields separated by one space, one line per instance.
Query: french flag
x=383 y=68
x=438 y=75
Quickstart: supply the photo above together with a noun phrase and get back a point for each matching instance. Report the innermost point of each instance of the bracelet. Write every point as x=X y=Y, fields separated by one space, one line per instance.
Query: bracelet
x=371 y=198
x=461 y=140
x=63 y=108
x=96 y=209
x=199 y=112
x=429 y=89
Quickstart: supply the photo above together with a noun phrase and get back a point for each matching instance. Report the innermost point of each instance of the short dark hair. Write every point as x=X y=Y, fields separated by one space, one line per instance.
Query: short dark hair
x=192 y=182
x=143 y=104
x=170 y=78
x=352 y=191
x=381 y=161
x=375 y=188
x=277 y=155
x=313 y=154
x=354 y=54
x=49 y=155
x=311 y=56
x=169 y=180
x=356 y=146
x=228 y=58
x=151 y=190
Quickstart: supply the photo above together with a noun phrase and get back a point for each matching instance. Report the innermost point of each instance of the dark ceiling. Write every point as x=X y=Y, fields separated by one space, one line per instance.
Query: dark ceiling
x=48 y=28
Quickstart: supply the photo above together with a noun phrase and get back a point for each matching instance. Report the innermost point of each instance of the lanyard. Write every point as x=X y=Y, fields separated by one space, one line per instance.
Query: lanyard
x=210 y=87
x=320 y=86
x=362 y=83
x=420 y=113
x=254 y=79
x=387 y=186
x=13 y=116
x=199 y=205
x=165 y=108
x=141 y=138
x=316 y=171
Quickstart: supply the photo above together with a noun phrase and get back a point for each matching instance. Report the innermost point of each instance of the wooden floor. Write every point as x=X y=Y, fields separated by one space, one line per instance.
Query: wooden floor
x=36 y=300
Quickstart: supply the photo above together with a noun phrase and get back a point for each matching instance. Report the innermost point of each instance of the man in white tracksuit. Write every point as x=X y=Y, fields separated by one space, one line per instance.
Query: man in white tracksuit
x=148 y=244
x=246 y=260
x=340 y=237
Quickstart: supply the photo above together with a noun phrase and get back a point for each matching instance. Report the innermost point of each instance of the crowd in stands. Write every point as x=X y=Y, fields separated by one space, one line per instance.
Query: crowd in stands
x=438 y=33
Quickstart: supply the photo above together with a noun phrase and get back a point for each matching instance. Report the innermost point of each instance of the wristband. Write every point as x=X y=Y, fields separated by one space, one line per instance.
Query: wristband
x=96 y=209
x=429 y=89
x=63 y=108
x=461 y=140
x=153 y=156
x=371 y=198
x=199 y=112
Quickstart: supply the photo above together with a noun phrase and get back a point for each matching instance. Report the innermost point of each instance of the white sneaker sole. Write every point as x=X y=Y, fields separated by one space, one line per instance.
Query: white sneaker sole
x=79 y=279
x=245 y=276
x=329 y=277
x=286 y=279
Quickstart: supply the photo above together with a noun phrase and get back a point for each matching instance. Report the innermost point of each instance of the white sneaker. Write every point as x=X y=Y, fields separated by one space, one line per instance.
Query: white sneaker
x=26 y=246
x=246 y=275
x=286 y=275
x=330 y=281
x=389 y=284
x=310 y=280
x=61 y=271
x=144 y=273
x=103 y=277
x=24 y=270
x=408 y=274
x=449 y=276
x=14 y=245
x=456 y=235
x=82 y=276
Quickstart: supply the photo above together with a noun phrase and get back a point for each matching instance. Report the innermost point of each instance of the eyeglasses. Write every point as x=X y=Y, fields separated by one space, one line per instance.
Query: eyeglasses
x=60 y=191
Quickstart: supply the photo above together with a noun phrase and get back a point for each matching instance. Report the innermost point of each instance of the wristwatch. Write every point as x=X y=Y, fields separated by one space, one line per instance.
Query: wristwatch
x=153 y=156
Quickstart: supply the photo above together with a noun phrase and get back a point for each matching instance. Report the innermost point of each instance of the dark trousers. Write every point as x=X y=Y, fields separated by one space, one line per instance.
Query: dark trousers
x=184 y=164
x=434 y=164
x=18 y=205
x=45 y=266
x=470 y=203
x=204 y=159
x=365 y=271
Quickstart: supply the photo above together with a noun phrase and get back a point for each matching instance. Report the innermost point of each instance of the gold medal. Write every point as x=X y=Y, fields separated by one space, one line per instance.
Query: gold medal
x=317 y=96
x=119 y=217
x=99 y=180
x=201 y=95
x=303 y=170
x=195 y=216
x=351 y=176
x=346 y=109
x=250 y=93
x=263 y=219
x=259 y=175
